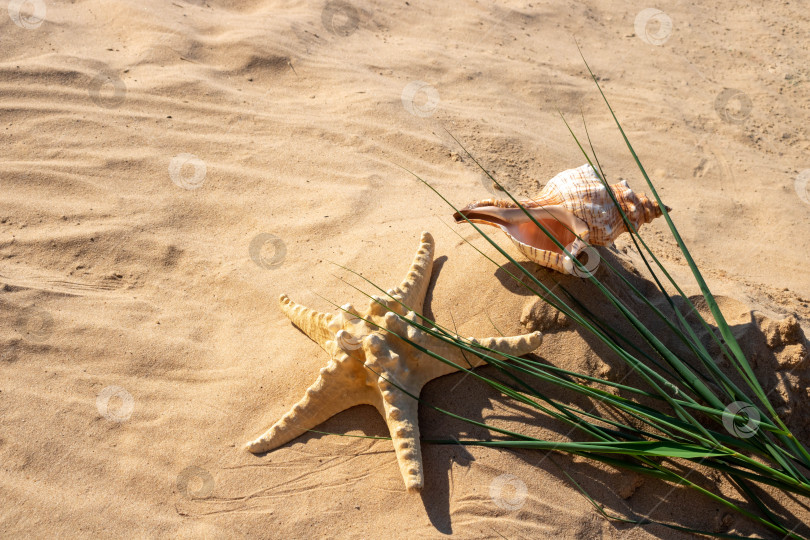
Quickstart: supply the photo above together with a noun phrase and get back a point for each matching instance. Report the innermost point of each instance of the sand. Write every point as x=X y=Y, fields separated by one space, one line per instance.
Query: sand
x=170 y=168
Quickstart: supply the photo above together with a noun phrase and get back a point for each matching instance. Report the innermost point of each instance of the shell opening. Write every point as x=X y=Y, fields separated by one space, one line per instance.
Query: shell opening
x=558 y=221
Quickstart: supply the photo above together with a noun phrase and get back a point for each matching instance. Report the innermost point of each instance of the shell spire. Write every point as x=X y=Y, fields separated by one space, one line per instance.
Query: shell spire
x=650 y=208
x=638 y=208
x=575 y=207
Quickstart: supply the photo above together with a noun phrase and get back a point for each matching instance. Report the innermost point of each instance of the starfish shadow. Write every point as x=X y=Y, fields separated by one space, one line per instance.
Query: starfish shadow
x=446 y=464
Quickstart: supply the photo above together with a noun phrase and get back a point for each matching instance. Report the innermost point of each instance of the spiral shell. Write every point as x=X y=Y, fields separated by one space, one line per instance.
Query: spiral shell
x=575 y=207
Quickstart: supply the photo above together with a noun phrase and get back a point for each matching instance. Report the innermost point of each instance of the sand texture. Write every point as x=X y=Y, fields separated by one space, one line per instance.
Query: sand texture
x=170 y=168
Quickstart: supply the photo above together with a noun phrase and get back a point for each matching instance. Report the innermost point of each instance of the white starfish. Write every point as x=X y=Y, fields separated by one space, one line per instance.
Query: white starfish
x=367 y=359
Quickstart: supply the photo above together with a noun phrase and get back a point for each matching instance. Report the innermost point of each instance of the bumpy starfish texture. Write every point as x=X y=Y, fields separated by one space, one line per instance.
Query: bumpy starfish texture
x=374 y=365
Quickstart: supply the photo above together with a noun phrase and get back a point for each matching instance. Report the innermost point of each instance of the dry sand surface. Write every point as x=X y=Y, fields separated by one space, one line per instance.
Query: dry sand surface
x=170 y=168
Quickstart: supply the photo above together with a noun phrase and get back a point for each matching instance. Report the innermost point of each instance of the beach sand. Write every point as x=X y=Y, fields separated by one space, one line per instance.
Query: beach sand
x=170 y=168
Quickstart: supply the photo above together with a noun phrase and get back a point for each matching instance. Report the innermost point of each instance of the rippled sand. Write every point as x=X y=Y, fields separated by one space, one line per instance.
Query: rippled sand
x=170 y=168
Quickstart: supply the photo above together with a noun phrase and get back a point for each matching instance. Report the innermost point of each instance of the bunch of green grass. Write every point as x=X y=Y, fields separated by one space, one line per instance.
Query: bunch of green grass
x=660 y=440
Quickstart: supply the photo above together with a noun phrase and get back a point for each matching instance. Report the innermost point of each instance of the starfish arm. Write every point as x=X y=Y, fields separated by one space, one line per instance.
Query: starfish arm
x=413 y=288
x=312 y=323
x=401 y=413
x=513 y=345
x=338 y=387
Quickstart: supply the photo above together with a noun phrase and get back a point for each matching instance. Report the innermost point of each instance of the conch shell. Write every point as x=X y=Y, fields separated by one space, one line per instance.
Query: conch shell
x=573 y=203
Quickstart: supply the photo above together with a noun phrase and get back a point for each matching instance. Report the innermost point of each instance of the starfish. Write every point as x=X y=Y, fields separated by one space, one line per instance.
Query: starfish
x=371 y=364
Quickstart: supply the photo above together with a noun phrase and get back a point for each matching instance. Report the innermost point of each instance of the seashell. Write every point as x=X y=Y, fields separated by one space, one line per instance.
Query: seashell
x=573 y=204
